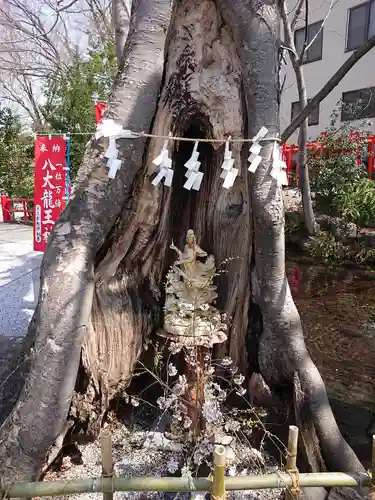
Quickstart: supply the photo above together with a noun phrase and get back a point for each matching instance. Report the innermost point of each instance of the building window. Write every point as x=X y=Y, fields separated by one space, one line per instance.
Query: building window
x=313 y=118
x=358 y=104
x=361 y=24
x=315 y=52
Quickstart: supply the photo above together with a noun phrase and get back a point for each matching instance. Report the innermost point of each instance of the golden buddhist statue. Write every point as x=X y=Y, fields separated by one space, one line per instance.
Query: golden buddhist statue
x=189 y=316
x=195 y=274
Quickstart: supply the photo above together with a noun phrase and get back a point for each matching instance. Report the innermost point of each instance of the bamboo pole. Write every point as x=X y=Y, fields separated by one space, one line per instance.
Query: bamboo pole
x=107 y=462
x=291 y=462
x=218 y=482
x=99 y=484
x=372 y=484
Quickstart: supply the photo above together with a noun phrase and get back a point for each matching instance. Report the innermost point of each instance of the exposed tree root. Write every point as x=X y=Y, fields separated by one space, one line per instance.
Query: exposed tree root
x=56 y=448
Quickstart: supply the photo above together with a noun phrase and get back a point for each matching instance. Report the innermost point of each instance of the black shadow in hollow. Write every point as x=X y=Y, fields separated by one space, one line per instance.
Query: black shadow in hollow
x=185 y=203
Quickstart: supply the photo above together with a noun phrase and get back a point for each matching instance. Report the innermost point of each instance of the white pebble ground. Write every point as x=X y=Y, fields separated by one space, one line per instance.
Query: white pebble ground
x=19 y=278
x=133 y=459
x=19 y=283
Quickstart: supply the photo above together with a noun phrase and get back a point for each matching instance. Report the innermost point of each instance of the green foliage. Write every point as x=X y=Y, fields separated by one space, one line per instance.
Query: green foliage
x=327 y=249
x=16 y=157
x=366 y=256
x=294 y=223
x=70 y=106
x=333 y=164
x=356 y=202
x=338 y=180
x=330 y=175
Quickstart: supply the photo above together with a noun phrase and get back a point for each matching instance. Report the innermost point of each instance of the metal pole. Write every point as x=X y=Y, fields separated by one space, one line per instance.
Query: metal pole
x=67 y=165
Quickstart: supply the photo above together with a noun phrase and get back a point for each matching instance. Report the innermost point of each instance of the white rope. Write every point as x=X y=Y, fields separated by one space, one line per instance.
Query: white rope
x=113 y=131
x=137 y=135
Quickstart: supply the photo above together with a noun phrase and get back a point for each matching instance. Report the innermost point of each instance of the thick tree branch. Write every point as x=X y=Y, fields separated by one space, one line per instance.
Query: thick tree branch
x=289 y=41
x=328 y=87
x=305 y=43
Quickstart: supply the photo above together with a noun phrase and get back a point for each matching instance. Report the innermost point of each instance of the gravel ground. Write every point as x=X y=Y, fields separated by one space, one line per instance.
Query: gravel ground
x=134 y=456
x=19 y=278
x=19 y=281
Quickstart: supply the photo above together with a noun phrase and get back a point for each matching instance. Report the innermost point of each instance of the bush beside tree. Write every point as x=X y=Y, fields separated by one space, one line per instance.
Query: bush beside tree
x=339 y=175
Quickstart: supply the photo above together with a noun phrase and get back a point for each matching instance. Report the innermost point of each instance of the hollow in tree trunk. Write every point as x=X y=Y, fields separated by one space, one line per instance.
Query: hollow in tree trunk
x=206 y=69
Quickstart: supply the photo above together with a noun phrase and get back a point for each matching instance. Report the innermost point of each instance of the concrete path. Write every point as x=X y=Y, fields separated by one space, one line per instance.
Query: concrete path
x=19 y=278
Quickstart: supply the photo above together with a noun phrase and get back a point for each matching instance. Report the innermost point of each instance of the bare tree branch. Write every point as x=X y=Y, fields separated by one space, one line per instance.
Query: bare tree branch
x=328 y=87
x=332 y=4
x=39 y=40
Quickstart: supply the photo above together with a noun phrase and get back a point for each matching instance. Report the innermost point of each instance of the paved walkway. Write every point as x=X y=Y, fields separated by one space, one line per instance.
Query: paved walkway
x=19 y=278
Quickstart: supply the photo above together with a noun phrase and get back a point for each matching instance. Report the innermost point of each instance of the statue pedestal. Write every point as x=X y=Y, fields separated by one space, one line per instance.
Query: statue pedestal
x=192 y=322
x=201 y=328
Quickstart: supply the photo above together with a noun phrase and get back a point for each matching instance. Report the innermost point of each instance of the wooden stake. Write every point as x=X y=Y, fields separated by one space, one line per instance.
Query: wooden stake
x=195 y=392
x=218 y=483
x=291 y=461
x=107 y=462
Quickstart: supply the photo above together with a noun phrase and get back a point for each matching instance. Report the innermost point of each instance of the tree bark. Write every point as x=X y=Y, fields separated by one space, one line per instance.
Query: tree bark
x=121 y=14
x=282 y=352
x=302 y=160
x=213 y=75
x=62 y=316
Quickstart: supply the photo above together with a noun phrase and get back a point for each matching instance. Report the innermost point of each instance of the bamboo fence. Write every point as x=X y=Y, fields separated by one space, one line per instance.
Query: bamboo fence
x=217 y=485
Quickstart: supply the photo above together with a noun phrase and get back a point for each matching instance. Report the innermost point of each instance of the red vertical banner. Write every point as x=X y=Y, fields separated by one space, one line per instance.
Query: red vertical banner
x=371 y=153
x=49 y=187
x=99 y=110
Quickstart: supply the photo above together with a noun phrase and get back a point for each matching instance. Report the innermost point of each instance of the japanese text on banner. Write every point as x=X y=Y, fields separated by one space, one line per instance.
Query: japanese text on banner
x=49 y=187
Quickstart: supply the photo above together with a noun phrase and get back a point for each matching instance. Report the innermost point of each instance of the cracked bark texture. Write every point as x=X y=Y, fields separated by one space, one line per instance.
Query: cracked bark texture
x=62 y=316
x=204 y=68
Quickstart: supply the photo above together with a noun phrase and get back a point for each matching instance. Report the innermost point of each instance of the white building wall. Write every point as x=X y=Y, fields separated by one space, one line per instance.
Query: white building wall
x=317 y=73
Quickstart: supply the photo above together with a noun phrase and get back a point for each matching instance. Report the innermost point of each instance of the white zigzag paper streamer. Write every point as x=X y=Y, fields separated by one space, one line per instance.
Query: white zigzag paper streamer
x=114 y=164
x=255 y=149
x=112 y=151
x=229 y=173
x=279 y=166
x=194 y=177
x=261 y=134
x=230 y=178
x=109 y=128
x=165 y=165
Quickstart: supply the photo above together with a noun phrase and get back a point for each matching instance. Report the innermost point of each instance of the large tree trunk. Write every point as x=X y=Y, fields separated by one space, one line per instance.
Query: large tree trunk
x=62 y=316
x=212 y=74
